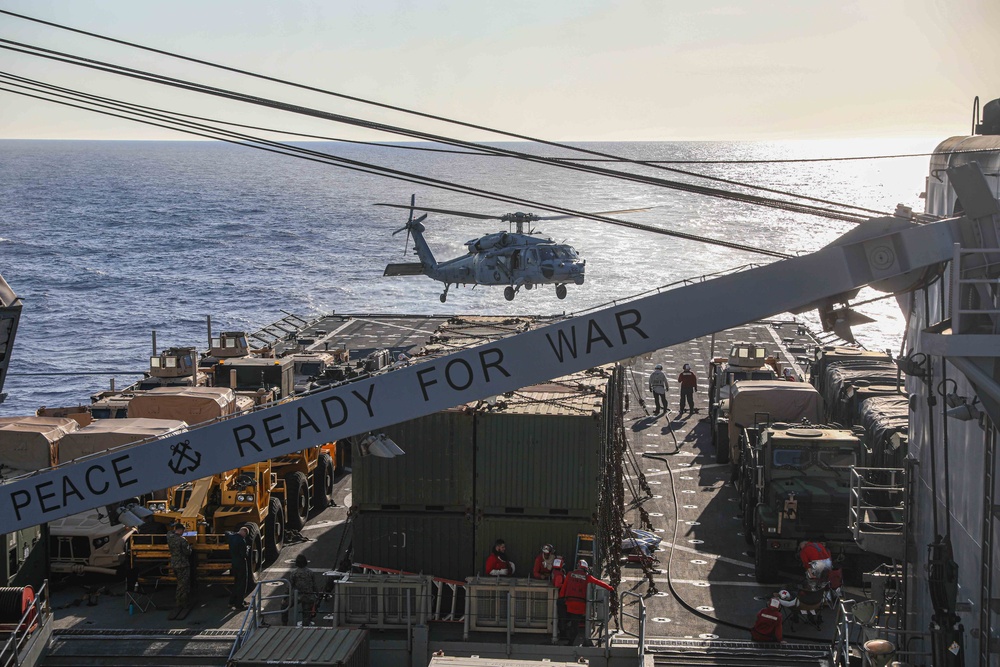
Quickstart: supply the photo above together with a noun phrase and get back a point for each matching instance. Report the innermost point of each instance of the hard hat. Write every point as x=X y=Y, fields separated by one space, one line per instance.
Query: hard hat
x=301 y=561
x=177 y=525
x=547 y=549
x=582 y=564
x=687 y=367
x=659 y=367
x=784 y=595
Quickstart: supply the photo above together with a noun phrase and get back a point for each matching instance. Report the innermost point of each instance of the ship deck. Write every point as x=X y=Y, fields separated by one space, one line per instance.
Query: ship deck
x=703 y=587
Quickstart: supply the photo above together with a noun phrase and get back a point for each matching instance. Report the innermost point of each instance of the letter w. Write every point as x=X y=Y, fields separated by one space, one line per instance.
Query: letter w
x=570 y=345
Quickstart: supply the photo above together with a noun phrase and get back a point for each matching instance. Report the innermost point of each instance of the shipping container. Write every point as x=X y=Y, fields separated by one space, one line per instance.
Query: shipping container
x=524 y=537
x=435 y=474
x=438 y=544
x=541 y=452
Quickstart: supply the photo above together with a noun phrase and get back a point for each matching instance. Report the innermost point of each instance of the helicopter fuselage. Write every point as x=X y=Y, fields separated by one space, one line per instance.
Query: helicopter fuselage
x=511 y=259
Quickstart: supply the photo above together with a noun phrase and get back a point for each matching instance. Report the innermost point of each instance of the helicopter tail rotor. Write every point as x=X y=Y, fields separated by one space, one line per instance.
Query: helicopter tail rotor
x=410 y=222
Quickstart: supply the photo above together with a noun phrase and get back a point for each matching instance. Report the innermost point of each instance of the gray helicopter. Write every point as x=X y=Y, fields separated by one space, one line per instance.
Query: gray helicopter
x=514 y=258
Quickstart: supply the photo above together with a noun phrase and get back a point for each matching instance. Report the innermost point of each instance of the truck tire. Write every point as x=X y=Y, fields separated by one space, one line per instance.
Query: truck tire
x=721 y=443
x=256 y=551
x=274 y=529
x=323 y=482
x=765 y=567
x=297 y=498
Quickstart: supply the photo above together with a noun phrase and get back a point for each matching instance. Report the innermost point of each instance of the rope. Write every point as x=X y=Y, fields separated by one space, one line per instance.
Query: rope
x=655 y=165
x=368 y=168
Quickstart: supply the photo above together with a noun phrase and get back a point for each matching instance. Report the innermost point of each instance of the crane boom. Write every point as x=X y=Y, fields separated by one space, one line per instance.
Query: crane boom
x=878 y=251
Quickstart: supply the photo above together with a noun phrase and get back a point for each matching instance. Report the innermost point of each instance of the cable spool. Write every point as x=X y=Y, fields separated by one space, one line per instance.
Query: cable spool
x=14 y=601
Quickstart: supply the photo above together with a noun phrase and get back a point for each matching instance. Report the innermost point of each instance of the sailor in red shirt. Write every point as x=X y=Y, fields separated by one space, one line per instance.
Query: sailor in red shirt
x=574 y=594
x=543 y=563
x=497 y=563
x=815 y=559
x=767 y=627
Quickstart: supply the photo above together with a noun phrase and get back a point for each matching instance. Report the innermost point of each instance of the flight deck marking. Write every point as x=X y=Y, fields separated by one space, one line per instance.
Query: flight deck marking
x=700 y=583
x=687 y=470
x=703 y=554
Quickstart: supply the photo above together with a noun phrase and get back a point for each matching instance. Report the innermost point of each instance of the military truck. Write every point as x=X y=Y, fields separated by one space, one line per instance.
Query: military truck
x=752 y=403
x=268 y=497
x=794 y=484
x=746 y=361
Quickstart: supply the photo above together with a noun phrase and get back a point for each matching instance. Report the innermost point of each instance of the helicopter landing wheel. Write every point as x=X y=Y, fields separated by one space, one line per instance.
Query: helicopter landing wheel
x=443 y=297
x=508 y=293
x=561 y=291
x=528 y=286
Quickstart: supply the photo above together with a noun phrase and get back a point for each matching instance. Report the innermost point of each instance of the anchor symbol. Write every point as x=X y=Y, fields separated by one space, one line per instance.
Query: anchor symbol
x=184 y=452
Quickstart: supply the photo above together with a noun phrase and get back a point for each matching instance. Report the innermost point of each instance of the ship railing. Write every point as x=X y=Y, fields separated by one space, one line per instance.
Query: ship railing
x=381 y=600
x=857 y=631
x=448 y=599
x=529 y=606
x=28 y=638
x=639 y=617
x=878 y=513
x=264 y=602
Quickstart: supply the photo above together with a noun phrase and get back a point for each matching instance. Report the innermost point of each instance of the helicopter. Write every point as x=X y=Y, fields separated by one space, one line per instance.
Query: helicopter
x=514 y=259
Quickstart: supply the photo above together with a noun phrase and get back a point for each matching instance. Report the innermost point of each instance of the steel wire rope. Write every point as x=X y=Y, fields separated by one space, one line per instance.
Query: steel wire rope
x=369 y=168
x=407 y=111
x=260 y=101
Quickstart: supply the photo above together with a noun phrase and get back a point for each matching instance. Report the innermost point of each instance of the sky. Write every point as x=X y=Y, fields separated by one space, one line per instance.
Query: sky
x=562 y=70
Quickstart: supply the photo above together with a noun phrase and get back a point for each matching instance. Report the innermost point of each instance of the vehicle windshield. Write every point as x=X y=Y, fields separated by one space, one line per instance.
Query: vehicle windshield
x=794 y=458
x=837 y=458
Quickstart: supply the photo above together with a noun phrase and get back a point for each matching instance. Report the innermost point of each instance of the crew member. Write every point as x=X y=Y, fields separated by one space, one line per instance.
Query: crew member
x=497 y=563
x=658 y=386
x=557 y=578
x=767 y=627
x=815 y=559
x=574 y=592
x=304 y=584
x=789 y=375
x=688 y=382
x=180 y=561
x=239 y=567
x=543 y=563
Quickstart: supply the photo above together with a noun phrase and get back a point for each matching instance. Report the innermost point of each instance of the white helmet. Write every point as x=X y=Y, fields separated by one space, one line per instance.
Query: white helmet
x=784 y=595
x=659 y=367
x=582 y=564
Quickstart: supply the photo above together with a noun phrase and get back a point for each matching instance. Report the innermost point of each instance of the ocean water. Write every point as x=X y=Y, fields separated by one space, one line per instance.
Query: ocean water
x=108 y=241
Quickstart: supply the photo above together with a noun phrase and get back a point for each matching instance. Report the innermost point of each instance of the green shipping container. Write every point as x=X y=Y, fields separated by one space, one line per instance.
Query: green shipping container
x=439 y=544
x=435 y=474
x=539 y=464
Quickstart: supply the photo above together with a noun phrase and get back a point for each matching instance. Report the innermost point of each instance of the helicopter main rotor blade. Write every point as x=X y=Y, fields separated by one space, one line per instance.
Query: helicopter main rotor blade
x=562 y=217
x=463 y=214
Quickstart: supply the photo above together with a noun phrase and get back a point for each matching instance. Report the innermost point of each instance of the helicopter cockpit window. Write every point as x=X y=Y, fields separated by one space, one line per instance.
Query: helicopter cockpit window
x=563 y=253
x=530 y=257
x=546 y=253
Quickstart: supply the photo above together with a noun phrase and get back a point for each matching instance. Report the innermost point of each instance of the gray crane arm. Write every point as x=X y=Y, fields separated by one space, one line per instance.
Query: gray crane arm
x=880 y=251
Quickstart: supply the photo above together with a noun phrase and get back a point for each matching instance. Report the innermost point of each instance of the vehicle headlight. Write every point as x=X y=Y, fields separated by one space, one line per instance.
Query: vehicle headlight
x=241 y=498
x=249 y=497
x=772 y=529
x=99 y=542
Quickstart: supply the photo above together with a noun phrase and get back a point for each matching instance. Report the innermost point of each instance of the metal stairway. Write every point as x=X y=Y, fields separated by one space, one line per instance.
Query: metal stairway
x=135 y=648
x=730 y=653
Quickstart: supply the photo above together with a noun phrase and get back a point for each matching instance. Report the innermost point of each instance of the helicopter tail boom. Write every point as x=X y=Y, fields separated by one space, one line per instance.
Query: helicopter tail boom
x=404 y=269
